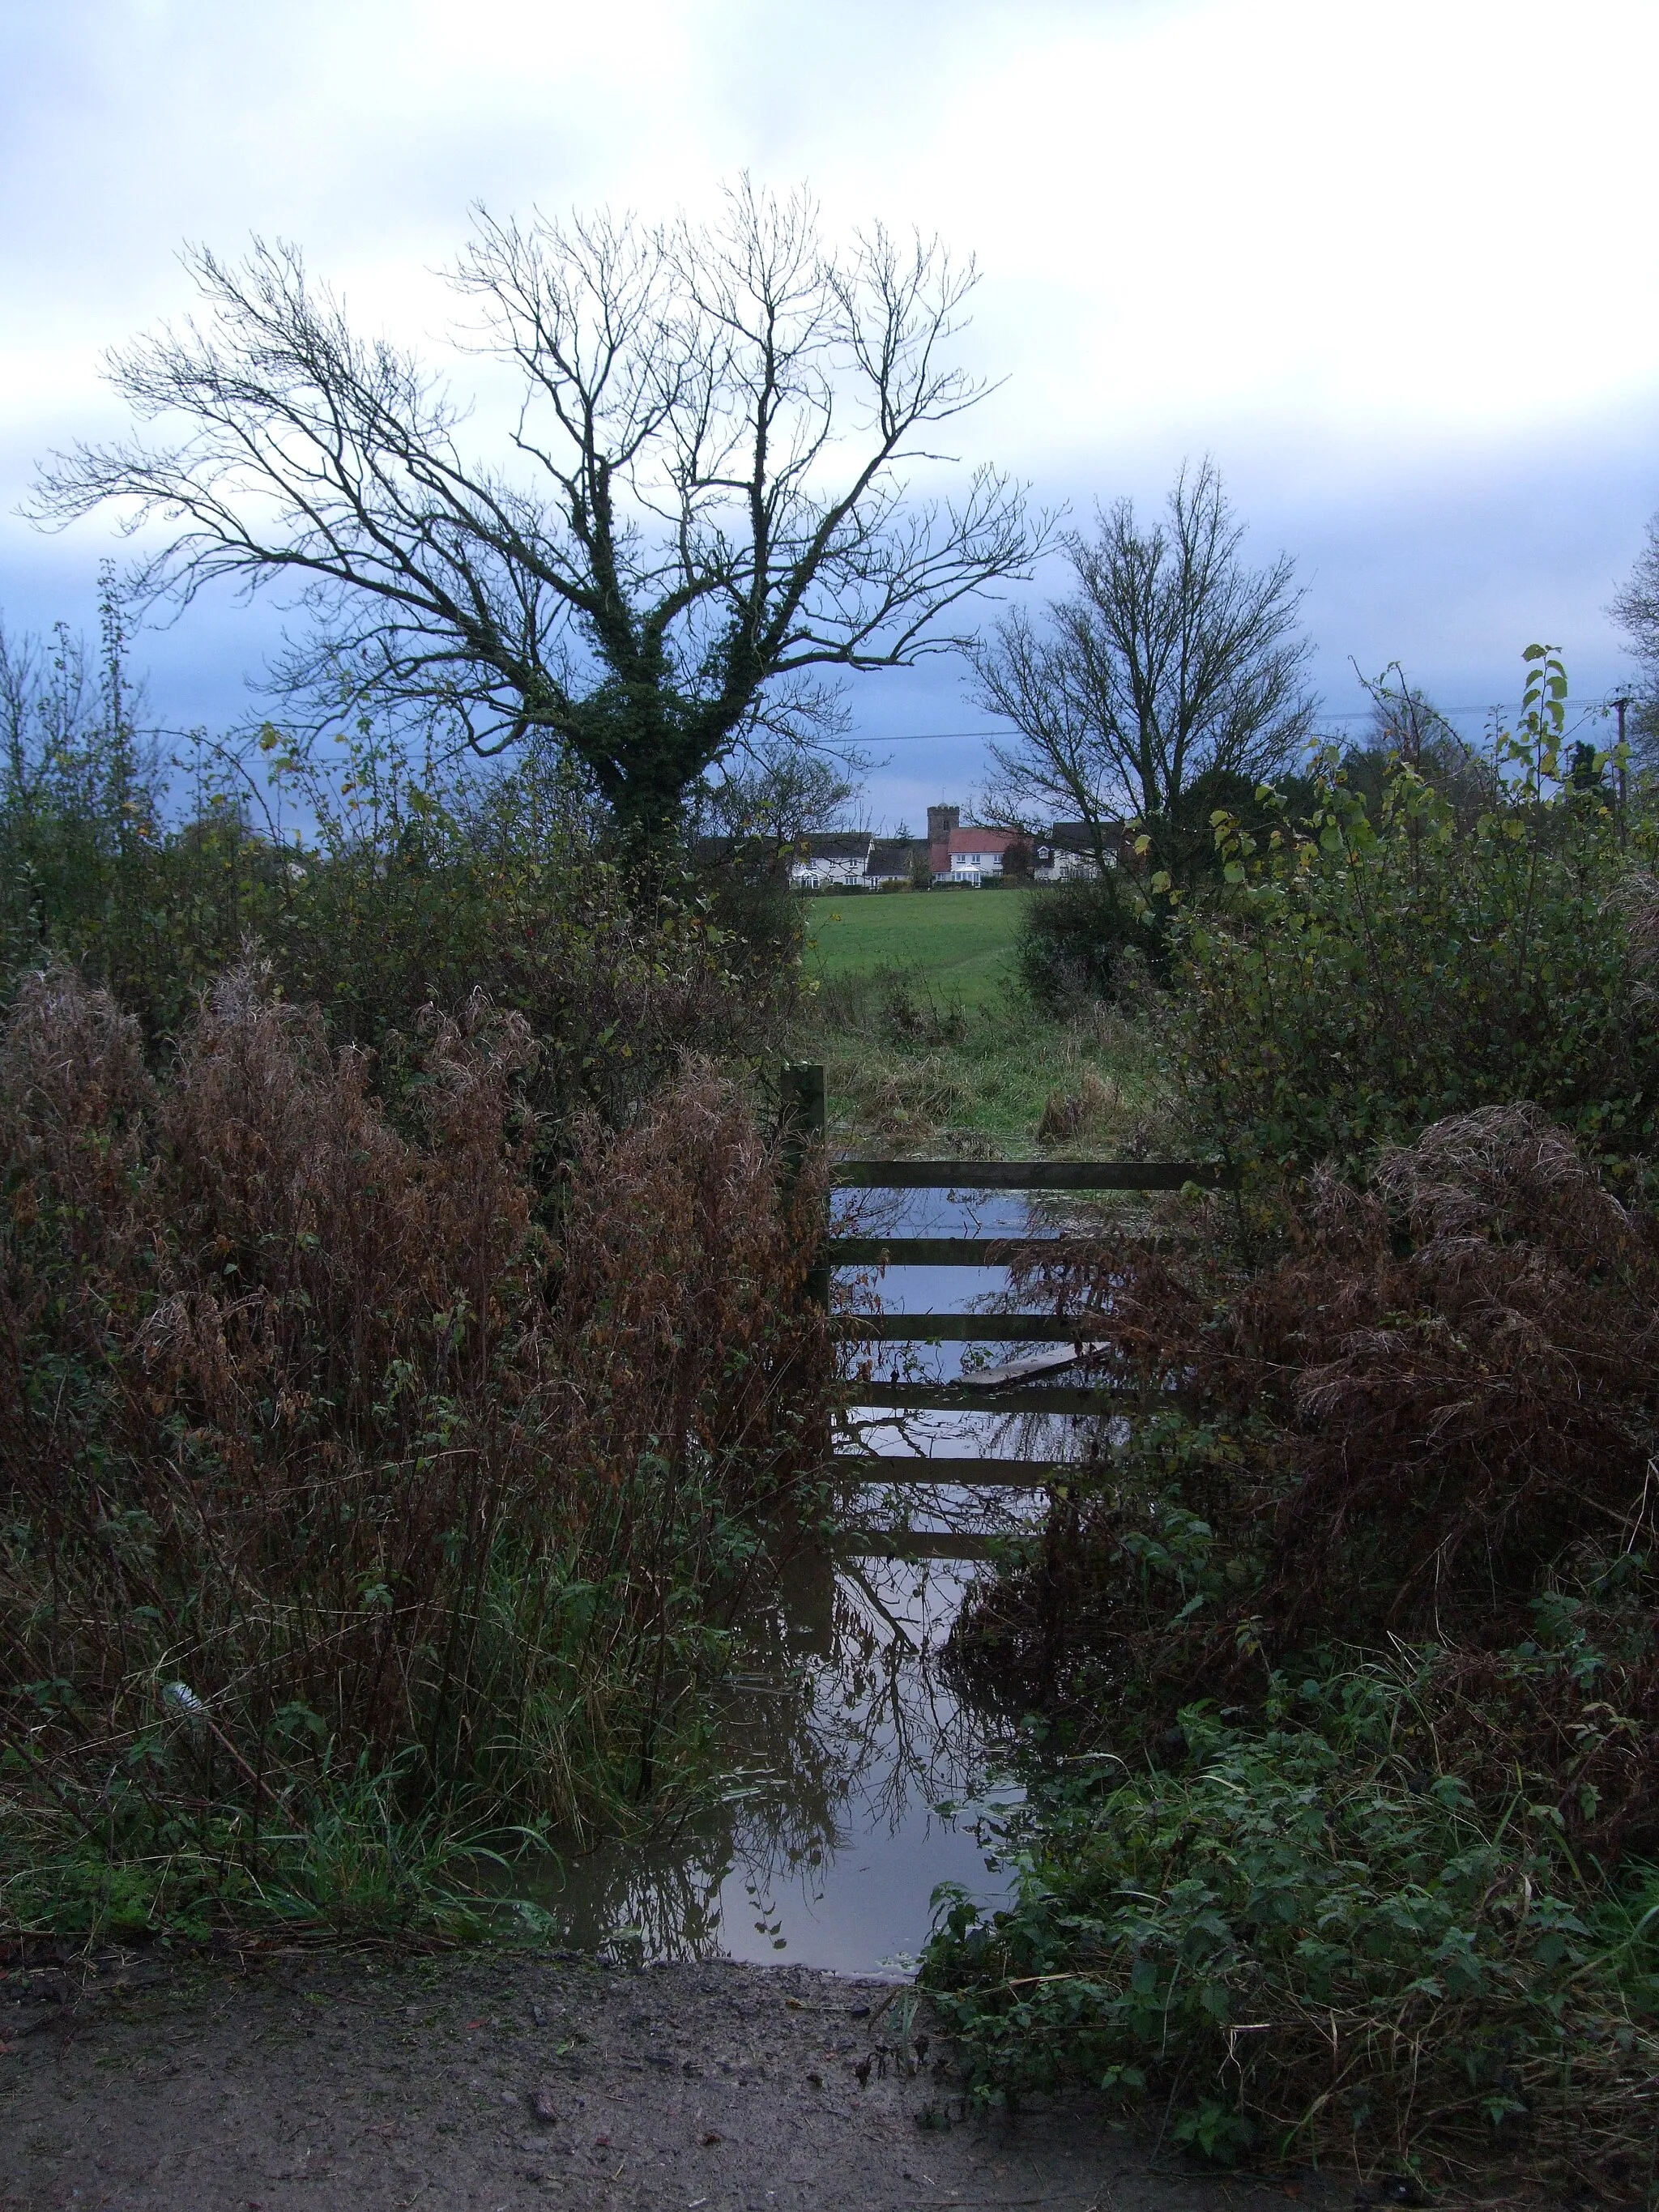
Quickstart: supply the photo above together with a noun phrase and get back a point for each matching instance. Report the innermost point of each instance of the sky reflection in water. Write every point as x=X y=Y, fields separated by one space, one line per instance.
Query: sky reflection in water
x=844 y=1735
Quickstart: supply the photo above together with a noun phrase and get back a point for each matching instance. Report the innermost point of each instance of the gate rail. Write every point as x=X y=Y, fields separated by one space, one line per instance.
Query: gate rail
x=805 y=1106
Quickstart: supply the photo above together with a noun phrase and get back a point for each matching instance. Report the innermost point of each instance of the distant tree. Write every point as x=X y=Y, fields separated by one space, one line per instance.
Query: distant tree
x=703 y=513
x=72 y=749
x=1170 y=683
x=1636 y=611
x=1406 y=725
x=773 y=797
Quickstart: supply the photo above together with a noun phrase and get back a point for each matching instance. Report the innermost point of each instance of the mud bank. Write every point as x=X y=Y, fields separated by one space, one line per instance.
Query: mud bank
x=498 y=2083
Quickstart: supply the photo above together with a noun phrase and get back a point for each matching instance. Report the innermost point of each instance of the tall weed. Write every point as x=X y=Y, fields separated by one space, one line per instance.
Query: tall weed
x=327 y=1463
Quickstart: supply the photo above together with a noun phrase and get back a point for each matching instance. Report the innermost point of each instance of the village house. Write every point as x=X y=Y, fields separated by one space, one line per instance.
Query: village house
x=950 y=855
x=894 y=861
x=968 y=856
x=1068 y=849
x=834 y=861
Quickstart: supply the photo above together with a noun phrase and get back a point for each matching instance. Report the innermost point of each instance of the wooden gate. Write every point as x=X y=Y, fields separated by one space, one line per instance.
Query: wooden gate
x=996 y=1391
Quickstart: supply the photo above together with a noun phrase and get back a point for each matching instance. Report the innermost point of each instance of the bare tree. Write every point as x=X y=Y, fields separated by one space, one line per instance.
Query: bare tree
x=770 y=798
x=1636 y=611
x=1407 y=725
x=1174 y=672
x=703 y=516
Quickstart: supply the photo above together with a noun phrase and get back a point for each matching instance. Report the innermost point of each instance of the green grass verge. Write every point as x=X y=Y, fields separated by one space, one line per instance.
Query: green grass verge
x=915 y=1067
x=962 y=940
x=929 y=1041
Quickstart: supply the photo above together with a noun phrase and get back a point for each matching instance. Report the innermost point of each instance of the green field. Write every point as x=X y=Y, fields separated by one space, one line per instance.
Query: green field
x=962 y=941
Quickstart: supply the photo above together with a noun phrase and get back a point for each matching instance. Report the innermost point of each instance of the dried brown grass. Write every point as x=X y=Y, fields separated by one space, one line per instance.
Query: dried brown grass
x=1438 y=1406
x=309 y=1411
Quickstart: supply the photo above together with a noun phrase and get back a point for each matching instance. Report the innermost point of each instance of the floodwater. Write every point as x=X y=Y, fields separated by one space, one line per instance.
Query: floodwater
x=859 y=1772
x=854 y=1777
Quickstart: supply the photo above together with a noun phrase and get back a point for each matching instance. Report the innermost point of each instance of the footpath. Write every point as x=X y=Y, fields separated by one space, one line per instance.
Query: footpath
x=497 y=2082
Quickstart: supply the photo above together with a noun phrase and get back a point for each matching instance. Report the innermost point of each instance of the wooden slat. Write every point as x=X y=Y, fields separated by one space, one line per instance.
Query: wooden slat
x=869 y=1468
x=1027 y=1174
x=939 y=1251
x=916 y=1544
x=963 y=1398
x=956 y=1328
x=968 y=1251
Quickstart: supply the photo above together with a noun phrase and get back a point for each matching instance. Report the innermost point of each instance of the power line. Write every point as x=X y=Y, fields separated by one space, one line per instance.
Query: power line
x=1347 y=715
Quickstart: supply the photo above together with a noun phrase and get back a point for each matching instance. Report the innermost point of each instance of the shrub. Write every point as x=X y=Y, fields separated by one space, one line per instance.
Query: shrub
x=1380 y=971
x=1081 y=937
x=417 y=882
x=1303 y=1939
x=1407 y=1425
x=1356 y=1649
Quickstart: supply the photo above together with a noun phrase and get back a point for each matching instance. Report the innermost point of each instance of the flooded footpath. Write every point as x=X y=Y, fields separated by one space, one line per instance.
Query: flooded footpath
x=859 y=1773
x=723 y=2023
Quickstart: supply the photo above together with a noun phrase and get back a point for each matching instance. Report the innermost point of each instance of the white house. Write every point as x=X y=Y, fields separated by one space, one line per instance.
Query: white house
x=968 y=856
x=1069 y=850
x=834 y=862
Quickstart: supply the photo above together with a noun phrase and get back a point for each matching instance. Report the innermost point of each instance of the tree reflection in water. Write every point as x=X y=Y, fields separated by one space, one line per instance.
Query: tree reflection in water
x=840 y=1740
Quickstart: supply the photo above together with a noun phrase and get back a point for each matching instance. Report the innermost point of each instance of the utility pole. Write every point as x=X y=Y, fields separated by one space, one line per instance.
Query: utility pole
x=1621 y=705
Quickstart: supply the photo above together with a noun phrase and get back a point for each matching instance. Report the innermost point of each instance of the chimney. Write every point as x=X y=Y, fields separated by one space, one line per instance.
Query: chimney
x=941 y=821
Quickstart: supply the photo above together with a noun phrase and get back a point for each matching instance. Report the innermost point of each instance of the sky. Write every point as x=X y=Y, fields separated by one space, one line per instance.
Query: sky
x=1391 y=262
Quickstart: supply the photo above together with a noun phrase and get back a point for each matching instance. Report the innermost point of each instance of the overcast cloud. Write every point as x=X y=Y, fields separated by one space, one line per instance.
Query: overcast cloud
x=1393 y=264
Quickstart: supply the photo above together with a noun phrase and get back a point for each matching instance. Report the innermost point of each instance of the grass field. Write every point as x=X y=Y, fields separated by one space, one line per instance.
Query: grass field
x=924 y=1042
x=962 y=941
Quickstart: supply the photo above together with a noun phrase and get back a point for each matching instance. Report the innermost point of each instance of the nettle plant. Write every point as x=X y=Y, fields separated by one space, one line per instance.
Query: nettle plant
x=1376 y=967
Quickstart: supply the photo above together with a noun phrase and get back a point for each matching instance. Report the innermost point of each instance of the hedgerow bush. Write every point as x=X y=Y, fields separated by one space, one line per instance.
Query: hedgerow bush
x=1305 y=1936
x=1085 y=936
x=1381 y=968
x=413 y=885
x=1344 y=1811
x=1343 y=1802
x=399 y=1313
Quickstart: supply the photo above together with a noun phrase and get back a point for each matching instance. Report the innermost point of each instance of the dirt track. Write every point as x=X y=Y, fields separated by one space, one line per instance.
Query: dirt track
x=497 y=2082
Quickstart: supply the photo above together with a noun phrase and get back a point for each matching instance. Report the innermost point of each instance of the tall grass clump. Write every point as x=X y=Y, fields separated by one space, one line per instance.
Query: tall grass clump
x=330 y=1468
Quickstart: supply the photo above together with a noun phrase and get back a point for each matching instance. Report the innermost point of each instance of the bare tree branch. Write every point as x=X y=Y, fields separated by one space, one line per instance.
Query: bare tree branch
x=706 y=489
x=1173 y=667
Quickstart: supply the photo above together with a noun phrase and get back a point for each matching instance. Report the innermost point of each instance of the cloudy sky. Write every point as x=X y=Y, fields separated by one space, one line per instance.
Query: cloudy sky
x=1391 y=262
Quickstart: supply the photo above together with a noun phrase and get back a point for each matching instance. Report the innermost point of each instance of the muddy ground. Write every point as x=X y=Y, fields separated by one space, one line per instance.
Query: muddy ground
x=498 y=2083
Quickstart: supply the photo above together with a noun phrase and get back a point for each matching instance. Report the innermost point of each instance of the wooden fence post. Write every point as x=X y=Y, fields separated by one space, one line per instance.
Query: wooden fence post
x=805 y=1122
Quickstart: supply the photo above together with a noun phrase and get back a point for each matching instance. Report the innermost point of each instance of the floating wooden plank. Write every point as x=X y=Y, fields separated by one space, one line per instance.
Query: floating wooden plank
x=961 y=1398
x=870 y=1470
x=956 y=1328
x=1056 y=1361
x=1028 y=1175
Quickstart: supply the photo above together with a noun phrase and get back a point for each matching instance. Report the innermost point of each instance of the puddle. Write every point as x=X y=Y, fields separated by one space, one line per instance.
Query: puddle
x=857 y=1772
x=843 y=1744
